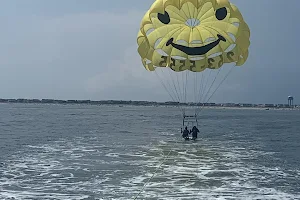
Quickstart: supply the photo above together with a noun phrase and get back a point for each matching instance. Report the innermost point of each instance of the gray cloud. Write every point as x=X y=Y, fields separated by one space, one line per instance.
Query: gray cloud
x=93 y=55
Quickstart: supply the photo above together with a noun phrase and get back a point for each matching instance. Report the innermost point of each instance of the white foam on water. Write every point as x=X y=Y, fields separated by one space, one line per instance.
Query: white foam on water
x=167 y=133
x=38 y=195
x=114 y=155
x=223 y=176
x=201 y=170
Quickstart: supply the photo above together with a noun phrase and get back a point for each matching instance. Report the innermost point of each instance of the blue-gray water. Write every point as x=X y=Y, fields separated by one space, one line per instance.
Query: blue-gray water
x=109 y=152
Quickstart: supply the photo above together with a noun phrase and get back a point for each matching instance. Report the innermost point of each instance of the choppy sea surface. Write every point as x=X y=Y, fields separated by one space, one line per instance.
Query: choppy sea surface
x=110 y=152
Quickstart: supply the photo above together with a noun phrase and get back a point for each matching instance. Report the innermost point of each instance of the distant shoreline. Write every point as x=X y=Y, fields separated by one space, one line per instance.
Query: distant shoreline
x=151 y=103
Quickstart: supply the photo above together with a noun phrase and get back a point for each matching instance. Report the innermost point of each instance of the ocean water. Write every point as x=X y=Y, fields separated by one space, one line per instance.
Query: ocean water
x=110 y=152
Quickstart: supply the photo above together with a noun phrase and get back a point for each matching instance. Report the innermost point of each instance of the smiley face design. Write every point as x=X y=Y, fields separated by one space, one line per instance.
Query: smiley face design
x=193 y=35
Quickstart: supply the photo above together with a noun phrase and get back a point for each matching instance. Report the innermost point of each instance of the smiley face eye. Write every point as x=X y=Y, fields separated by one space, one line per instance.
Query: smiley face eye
x=221 y=13
x=164 y=18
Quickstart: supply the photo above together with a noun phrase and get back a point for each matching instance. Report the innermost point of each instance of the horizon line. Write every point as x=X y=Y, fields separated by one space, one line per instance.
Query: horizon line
x=47 y=100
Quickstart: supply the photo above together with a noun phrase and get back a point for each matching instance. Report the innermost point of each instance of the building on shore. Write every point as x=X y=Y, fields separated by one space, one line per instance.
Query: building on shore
x=291 y=101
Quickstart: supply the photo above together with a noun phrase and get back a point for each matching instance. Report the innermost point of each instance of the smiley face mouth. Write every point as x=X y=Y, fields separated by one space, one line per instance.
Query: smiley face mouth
x=192 y=51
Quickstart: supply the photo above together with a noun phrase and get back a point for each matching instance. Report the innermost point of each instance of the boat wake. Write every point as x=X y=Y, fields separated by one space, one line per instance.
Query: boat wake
x=90 y=168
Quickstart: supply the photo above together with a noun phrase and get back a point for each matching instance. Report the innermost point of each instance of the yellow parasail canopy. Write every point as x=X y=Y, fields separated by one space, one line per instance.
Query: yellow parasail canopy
x=193 y=35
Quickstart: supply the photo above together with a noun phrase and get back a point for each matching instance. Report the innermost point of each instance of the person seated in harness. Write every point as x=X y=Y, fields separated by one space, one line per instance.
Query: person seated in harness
x=195 y=132
x=185 y=133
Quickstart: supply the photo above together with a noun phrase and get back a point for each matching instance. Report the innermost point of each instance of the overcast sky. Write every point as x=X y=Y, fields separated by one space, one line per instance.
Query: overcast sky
x=86 y=49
